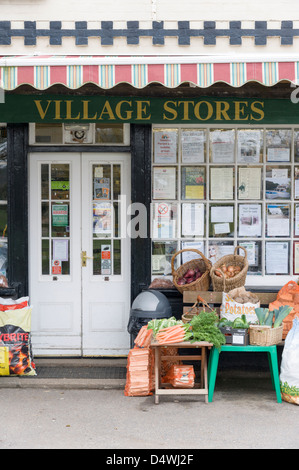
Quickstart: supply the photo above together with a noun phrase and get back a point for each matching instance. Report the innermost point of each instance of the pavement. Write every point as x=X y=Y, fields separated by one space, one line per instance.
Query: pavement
x=72 y=373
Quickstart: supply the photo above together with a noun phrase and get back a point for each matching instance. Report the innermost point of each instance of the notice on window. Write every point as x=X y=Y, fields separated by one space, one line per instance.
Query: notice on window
x=164 y=220
x=222 y=183
x=278 y=220
x=164 y=184
x=296 y=258
x=250 y=220
x=60 y=215
x=106 y=259
x=223 y=146
x=252 y=252
x=61 y=250
x=102 y=214
x=277 y=258
x=249 y=146
x=250 y=183
x=190 y=255
x=193 y=182
x=193 y=146
x=165 y=146
x=193 y=220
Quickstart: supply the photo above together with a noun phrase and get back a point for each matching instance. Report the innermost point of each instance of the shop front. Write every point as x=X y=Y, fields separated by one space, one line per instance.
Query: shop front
x=106 y=183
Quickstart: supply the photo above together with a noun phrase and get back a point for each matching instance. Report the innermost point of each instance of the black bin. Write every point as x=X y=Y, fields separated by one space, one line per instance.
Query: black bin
x=147 y=306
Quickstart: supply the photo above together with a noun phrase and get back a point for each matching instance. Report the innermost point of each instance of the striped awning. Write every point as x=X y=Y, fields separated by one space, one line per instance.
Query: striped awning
x=41 y=72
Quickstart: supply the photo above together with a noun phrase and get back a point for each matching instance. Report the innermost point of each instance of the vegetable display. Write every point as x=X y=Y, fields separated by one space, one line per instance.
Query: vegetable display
x=239 y=322
x=272 y=318
x=190 y=276
x=228 y=271
x=204 y=328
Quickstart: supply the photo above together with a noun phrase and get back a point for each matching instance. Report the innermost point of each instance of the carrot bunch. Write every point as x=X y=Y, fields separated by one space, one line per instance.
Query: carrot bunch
x=144 y=337
x=171 y=334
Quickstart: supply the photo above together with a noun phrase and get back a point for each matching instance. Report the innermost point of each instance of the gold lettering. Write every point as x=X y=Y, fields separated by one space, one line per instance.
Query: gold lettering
x=258 y=111
x=186 y=109
x=142 y=109
x=42 y=113
x=69 y=111
x=221 y=110
x=107 y=110
x=57 y=109
x=86 y=113
x=209 y=108
x=168 y=109
x=240 y=110
x=128 y=112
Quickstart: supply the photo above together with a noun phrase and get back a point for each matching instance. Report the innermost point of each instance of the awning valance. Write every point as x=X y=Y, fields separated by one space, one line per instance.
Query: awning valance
x=41 y=72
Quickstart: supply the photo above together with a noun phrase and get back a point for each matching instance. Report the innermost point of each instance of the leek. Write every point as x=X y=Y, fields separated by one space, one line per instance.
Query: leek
x=280 y=314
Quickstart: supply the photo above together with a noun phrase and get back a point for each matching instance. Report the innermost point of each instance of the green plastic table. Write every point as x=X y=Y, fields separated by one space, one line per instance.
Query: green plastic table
x=273 y=364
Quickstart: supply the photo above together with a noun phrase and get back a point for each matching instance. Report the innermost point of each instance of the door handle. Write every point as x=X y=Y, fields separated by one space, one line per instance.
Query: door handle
x=84 y=257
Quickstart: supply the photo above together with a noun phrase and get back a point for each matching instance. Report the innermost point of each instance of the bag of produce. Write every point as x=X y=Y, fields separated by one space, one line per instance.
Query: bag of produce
x=239 y=302
x=288 y=295
x=15 y=342
x=289 y=369
x=180 y=376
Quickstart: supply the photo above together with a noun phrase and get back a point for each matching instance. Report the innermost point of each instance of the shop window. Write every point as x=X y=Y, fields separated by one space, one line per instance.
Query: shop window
x=79 y=134
x=217 y=188
x=3 y=201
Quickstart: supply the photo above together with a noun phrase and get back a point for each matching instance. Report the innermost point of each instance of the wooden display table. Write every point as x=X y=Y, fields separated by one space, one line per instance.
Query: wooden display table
x=199 y=389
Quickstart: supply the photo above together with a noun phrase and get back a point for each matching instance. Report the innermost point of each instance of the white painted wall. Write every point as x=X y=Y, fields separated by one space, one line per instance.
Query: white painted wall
x=146 y=11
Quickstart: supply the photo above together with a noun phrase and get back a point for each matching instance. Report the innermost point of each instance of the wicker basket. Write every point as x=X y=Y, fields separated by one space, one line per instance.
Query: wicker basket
x=202 y=283
x=220 y=284
x=265 y=335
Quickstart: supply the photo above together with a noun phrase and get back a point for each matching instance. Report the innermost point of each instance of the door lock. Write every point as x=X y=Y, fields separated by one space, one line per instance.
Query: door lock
x=84 y=257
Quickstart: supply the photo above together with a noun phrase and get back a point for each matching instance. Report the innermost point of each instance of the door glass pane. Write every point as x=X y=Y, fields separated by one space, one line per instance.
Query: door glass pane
x=55 y=218
x=60 y=219
x=106 y=187
x=116 y=181
x=45 y=181
x=60 y=181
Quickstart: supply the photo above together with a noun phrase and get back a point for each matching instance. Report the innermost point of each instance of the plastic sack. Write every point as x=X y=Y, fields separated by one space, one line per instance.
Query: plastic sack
x=288 y=295
x=289 y=369
x=10 y=304
x=180 y=376
x=15 y=342
x=239 y=302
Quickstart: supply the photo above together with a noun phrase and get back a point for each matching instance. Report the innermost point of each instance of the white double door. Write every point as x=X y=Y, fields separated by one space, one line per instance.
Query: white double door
x=79 y=253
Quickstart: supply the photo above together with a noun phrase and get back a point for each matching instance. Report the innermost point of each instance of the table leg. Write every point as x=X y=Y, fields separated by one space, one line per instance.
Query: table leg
x=213 y=366
x=275 y=373
x=157 y=374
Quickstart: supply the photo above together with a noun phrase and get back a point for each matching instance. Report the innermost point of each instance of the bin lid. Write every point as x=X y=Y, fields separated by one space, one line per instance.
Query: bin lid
x=151 y=304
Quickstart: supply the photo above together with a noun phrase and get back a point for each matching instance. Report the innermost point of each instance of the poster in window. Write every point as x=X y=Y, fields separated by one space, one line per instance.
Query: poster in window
x=193 y=182
x=222 y=183
x=296 y=258
x=165 y=146
x=249 y=146
x=222 y=143
x=278 y=220
x=249 y=183
x=192 y=220
x=193 y=146
x=164 y=183
x=277 y=258
x=278 y=183
x=250 y=220
x=278 y=145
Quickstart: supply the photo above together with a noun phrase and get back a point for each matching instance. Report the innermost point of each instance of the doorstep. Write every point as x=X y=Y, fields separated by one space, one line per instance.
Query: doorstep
x=73 y=373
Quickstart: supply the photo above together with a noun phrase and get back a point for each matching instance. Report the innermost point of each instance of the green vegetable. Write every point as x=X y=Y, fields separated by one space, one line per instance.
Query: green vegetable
x=280 y=314
x=204 y=328
x=265 y=317
x=157 y=324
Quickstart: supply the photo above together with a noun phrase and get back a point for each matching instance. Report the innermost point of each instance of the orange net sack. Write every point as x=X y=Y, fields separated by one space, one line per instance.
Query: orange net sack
x=288 y=295
x=140 y=372
x=180 y=376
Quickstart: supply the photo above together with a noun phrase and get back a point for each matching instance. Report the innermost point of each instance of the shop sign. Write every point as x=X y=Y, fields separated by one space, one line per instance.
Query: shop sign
x=114 y=109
